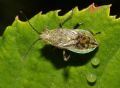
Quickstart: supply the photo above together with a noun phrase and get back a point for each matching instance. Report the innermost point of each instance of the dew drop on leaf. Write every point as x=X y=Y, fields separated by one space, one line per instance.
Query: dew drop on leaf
x=95 y=62
x=91 y=78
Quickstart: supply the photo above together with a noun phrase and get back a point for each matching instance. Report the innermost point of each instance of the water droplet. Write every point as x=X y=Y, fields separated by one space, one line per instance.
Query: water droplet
x=91 y=78
x=95 y=61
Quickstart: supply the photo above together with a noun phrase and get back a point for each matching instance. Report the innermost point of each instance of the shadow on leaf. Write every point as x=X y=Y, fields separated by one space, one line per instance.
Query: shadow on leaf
x=55 y=55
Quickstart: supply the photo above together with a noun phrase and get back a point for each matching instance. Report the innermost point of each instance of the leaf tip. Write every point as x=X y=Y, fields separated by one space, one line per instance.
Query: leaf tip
x=40 y=12
x=17 y=17
x=92 y=7
x=57 y=11
x=110 y=5
x=76 y=8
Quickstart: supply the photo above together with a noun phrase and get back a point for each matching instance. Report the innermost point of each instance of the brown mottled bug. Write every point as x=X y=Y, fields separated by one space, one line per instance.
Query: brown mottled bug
x=75 y=40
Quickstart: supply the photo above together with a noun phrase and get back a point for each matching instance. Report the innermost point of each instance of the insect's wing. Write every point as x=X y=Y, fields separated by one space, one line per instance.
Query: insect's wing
x=81 y=51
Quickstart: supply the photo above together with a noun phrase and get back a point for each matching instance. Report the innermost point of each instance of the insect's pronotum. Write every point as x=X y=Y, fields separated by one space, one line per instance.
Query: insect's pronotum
x=74 y=39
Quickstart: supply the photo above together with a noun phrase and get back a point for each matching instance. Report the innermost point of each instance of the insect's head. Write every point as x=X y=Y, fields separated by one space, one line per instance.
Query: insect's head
x=86 y=40
x=45 y=34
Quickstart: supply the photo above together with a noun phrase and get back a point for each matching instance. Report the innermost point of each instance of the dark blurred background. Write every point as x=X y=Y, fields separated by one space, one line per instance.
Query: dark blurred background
x=10 y=8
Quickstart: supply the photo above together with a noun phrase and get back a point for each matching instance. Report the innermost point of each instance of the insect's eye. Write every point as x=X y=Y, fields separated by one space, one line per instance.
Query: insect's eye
x=84 y=39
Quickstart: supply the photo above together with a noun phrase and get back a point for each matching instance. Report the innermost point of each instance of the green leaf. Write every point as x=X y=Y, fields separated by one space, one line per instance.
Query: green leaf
x=44 y=67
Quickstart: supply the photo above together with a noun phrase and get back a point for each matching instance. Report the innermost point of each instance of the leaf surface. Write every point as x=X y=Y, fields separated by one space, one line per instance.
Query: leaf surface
x=44 y=66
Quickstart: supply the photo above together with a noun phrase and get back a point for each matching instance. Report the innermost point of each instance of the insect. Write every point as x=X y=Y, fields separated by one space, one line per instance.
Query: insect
x=75 y=40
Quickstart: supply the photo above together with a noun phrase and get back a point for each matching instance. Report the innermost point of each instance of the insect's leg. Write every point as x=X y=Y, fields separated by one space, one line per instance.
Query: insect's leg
x=94 y=33
x=77 y=25
x=68 y=18
x=66 y=58
x=97 y=33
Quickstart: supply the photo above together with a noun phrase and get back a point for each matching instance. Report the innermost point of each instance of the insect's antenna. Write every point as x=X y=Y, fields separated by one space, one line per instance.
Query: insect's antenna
x=68 y=18
x=29 y=22
x=97 y=33
x=30 y=48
